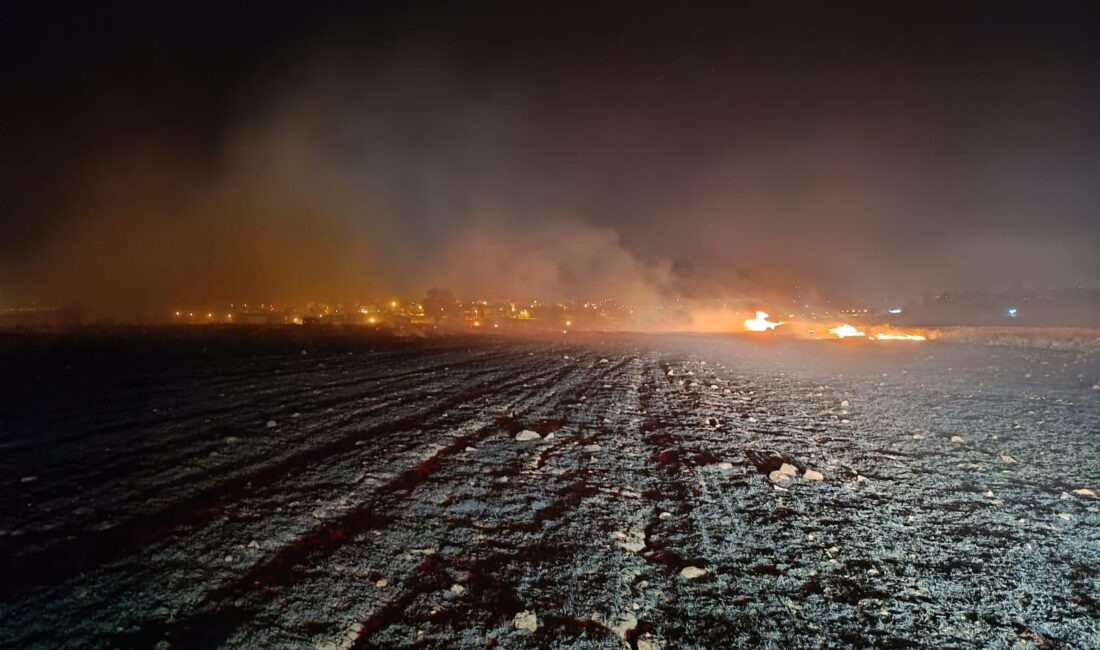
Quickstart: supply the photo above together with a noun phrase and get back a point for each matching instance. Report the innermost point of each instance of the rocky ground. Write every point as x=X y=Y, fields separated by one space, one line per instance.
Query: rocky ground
x=338 y=490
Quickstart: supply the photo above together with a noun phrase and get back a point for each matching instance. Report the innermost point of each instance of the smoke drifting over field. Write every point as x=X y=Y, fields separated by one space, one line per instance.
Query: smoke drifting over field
x=347 y=155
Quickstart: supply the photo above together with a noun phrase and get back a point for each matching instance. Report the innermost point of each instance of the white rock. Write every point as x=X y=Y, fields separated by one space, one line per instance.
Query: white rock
x=917 y=436
x=1065 y=515
x=1084 y=492
x=778 y=476
x=788 y=469
x=664 y=515
x=253 y=544
x=381 y=584
x=861 y=478
x=228 y=558
x=626 y=623
x=526 y=621
x=28 y=479
x=526 y=435
x=592 y=448
x=844 y=403
x=1005 y=458
x=649 y=643
x=271 y=424
x=457 y=589
x=604 y=361
x=988 y=494
x=725 y=465
x=692 y=572
x=813 y=475
x=956 y=439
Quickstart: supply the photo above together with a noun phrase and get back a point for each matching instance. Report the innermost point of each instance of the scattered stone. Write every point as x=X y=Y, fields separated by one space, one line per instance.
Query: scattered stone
x=956 y=439
x=604 y=361
x=692 y=572
x=457 y=589
x=725 y=465
x=1005 y=458
x=1085 y=492
x=626 y=623
x=1065 y=516
x=778 y=476
x=664 y=515
x=861 y=478
x=634 y=542
x=813 y=475
x=381 y=584
x=788 y=469
x=526 y=621
x=988 y=494
x=271 y=424
x=28 y=479
x=253 y=544
x=526 y=435
x=592 y=448
x=844 y=403
x=649 y=643
x=917 y=436
x=228 y=558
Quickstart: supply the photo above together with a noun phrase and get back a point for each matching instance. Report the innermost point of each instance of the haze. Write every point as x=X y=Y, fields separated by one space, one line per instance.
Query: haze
x=326 y=151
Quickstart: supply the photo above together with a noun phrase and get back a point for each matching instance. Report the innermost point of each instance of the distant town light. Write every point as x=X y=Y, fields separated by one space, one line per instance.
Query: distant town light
x=1013 y=312
x=895 y=310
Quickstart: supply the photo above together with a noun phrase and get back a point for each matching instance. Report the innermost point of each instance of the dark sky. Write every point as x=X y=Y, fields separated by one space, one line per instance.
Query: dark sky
x=213 y=151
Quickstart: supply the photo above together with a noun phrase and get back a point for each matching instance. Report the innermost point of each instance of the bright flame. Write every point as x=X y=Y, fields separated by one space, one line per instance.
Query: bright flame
x=899 y=337
x=760 y=323
x=846 y=330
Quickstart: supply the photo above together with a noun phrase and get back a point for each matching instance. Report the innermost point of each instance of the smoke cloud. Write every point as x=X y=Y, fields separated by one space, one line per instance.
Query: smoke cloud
x=568 y=169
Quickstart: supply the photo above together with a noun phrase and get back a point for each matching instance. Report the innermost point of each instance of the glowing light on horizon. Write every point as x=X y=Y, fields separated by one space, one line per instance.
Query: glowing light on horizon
x=844 y=331
x=760 y=323
x=899 y=337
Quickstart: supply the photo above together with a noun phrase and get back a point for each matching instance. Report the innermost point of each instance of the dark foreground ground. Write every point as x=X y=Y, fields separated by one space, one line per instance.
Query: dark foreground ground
x=332 y=490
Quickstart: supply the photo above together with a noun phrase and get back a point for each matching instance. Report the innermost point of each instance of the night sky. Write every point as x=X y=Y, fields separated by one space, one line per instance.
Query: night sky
x=269 y=151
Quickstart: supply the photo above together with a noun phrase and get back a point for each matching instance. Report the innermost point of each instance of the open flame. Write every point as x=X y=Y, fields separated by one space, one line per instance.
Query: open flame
x=899 y=337
x=760 y=323
x=846 y=330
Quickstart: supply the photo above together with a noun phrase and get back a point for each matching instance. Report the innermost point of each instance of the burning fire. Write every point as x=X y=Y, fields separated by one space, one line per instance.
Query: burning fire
x=846 y=330
x=760 y=323
x=899 y=337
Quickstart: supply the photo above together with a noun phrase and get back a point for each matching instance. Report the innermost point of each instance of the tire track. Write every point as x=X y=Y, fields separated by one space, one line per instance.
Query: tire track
x=68 y=557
